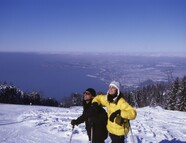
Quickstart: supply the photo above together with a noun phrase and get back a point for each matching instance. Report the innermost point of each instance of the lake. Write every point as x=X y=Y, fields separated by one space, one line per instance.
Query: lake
x=51 y=75
x=59 y=75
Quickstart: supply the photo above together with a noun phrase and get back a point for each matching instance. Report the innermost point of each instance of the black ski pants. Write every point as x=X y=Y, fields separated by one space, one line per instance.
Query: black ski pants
x=116 y=139
x=98 y=141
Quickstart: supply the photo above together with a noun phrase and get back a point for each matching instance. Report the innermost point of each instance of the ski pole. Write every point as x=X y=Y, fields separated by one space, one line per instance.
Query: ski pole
x=131 y=133
x=92 y=134
x=125 y=136
x=72 y=134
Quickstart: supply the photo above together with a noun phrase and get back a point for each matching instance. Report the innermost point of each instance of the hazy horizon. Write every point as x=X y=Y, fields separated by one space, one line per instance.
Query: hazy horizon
x=146 y=54
x=58 y=75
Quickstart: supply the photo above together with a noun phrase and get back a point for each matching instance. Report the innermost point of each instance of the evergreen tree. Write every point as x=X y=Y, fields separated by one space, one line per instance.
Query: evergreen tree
x=182 y=104
x=173 y=95
x=76 y=99
x=133 y=99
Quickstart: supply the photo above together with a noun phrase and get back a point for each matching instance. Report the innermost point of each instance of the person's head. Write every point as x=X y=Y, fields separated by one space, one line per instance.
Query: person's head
x=89 y=94
x=114 y=88
x=113 y=92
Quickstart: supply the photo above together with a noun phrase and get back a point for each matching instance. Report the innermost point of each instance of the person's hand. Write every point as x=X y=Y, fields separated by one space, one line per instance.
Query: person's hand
x=74 y=122
x=114 y=114
x=120 y=121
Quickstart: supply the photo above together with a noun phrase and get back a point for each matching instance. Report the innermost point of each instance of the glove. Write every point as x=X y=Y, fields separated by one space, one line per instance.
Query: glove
x=120 y=121
x=74 y=122
x=114 y=114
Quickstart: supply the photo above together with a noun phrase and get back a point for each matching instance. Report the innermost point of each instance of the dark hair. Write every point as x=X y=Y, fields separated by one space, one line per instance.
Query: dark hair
x=92 y=91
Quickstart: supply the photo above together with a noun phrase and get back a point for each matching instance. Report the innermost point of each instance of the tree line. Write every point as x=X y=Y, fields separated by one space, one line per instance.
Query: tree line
x=12 y=95
x=168 y=95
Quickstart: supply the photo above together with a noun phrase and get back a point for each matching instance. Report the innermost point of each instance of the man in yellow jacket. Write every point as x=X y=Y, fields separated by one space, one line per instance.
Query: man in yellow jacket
x=118 y=110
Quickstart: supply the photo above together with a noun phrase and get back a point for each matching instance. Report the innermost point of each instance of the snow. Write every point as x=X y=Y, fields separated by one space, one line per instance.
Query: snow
x=40 y=124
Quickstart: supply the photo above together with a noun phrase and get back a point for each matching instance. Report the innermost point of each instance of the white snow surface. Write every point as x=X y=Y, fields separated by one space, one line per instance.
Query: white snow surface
x=41 y=124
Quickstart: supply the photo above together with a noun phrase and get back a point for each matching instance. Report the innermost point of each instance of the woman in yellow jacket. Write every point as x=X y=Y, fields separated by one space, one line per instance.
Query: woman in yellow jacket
x=118 y=110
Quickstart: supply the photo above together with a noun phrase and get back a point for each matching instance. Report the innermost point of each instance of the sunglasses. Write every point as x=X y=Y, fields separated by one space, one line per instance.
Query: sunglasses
x=86 y=93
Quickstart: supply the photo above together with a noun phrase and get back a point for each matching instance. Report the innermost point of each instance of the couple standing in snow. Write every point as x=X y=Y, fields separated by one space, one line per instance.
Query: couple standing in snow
x=115 y=121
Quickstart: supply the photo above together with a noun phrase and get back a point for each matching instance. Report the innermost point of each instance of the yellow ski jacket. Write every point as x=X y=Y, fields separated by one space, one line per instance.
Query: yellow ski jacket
x=127 y=112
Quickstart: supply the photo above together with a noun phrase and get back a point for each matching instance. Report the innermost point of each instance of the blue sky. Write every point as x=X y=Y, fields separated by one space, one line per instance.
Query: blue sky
x=125 y=26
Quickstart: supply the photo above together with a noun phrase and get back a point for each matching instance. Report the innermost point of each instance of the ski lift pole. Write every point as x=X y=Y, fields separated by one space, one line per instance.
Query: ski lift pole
x=72 y=134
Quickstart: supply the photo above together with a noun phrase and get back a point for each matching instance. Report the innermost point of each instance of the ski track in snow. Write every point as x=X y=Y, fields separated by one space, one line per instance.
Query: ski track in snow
x=39 y=124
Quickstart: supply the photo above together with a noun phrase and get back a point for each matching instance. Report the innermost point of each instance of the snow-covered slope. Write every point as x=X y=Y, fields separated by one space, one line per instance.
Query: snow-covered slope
x=39 y=124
